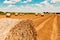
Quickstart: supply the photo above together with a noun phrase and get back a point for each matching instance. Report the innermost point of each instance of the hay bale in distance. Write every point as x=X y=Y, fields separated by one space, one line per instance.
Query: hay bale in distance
x=42 y=14
x=8 y=15
x=16 y=14
x=36 y=14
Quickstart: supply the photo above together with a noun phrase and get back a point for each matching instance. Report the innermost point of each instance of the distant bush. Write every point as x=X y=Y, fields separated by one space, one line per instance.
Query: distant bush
x=2 y=13
x=13 y=13
x=28 y=13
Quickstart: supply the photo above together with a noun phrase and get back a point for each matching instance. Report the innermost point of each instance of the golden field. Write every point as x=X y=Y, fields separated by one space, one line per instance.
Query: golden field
x=47 y=27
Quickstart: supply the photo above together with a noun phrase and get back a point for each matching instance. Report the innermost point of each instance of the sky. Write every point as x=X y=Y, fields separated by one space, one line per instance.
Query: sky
x=30 y=6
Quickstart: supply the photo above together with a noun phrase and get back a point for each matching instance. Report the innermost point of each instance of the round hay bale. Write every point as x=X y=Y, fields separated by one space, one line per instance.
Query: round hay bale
x=8 y=15
x=16 y=14
x=36 y=14
x=24 y=30
x=42 y=14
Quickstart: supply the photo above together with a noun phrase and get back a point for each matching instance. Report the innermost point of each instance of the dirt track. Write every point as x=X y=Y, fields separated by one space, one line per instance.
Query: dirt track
x=47 y=27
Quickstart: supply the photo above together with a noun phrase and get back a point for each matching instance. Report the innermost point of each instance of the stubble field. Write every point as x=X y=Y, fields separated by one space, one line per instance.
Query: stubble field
x=30 y=27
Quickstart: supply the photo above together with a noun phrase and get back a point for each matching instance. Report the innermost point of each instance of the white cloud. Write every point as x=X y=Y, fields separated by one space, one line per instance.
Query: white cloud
x=15 y=0
x=27 y=1
x=11 y=1
x=54 y=1
x=41 y=7
x=45 y=7
x=27 y=8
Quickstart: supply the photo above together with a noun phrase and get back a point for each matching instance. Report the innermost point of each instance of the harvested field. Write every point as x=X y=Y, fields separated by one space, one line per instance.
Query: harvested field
x=30 y=27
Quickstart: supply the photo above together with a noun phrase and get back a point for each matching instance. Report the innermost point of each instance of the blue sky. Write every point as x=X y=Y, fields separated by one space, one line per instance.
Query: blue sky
x=33 y=5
